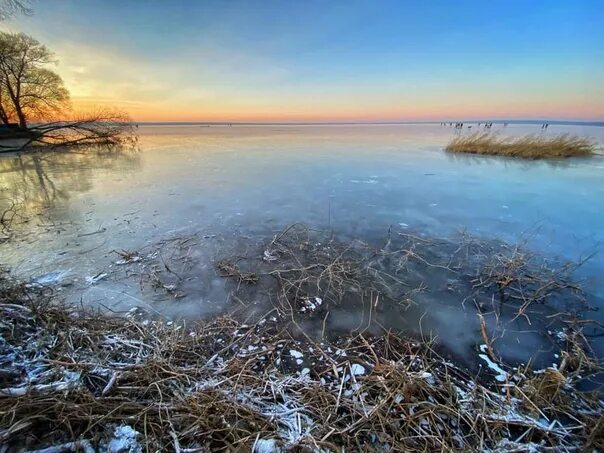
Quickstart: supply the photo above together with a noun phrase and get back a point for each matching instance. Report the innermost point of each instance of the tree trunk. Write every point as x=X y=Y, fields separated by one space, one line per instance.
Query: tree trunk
x=3 y=115
x=22 y=119
x=17 y=104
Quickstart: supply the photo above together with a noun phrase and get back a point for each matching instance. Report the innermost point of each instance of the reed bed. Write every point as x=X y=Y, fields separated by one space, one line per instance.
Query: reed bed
x=527 y=147
x=78 y=380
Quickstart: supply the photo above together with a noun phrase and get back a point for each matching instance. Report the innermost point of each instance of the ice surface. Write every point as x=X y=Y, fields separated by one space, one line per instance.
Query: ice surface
x=356 y=181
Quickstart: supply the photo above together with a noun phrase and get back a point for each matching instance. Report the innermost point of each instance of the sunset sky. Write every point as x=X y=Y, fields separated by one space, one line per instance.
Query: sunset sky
x=328 y=60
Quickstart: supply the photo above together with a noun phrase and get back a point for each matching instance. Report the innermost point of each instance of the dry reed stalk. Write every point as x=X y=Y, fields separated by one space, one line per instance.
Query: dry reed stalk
x=528 y=147
x=228 y=269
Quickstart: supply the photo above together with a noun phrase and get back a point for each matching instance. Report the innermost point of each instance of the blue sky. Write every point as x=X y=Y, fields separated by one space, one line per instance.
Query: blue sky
x=329 y=60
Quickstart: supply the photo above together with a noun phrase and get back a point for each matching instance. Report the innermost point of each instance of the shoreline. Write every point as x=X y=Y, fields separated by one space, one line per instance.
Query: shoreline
x=95 y=380
x=399 y=281
x=98 y=380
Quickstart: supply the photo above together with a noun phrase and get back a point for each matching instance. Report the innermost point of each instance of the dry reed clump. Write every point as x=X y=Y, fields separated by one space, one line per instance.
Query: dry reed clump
x=228 y=269
x=528 y=147
x=553 y=389
x=523 y=278
x=75 y=379
x=311 y=269
x=309 y=273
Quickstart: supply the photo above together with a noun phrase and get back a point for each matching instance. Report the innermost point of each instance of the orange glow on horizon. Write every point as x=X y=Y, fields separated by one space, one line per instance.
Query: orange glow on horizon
x=152 y=112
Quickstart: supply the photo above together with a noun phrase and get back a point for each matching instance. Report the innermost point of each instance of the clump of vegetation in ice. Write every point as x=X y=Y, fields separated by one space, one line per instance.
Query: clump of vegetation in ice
x=528 y=147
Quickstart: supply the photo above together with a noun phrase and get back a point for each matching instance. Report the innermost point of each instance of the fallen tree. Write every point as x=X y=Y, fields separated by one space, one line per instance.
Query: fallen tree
x=103 y=128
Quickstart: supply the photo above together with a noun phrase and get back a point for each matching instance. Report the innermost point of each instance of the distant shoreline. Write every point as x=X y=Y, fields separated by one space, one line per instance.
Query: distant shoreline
x=363 y=123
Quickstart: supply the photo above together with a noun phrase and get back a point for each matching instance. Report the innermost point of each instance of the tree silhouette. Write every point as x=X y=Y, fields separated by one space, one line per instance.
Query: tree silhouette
x=29 y=90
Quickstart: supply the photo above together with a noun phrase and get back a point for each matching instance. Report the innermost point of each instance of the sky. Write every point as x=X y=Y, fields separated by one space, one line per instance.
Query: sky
x=327 y=60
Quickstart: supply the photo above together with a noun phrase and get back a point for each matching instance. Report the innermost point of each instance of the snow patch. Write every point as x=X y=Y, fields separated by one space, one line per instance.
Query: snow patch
x=501 y=375
x=268 y=256
x=357 y=370
x=94 y=279
x=295 y=354
x=124 y=441
x=311 y=304
x=265 y=446
x=429 y=377
x=50 y=278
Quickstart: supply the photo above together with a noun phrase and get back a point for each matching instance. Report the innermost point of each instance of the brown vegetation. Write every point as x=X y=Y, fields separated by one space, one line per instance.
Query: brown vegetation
x=228 y=269
x=72 y=378
x=528 y=147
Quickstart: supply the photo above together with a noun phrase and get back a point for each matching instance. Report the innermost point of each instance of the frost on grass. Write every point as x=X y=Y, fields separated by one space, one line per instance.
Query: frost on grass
x=192 y=390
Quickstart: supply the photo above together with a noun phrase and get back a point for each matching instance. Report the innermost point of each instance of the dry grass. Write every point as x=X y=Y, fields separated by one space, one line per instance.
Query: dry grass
x=70 y=377
x=517 y=276
x=228 y=269
x=528 y=147
x=311 y=269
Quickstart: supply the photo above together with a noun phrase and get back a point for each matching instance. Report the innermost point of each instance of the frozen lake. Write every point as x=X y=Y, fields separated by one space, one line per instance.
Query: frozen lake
x=252 y=181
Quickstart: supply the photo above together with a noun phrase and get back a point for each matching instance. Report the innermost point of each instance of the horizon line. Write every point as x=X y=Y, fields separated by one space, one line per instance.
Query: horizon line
x=376 y=123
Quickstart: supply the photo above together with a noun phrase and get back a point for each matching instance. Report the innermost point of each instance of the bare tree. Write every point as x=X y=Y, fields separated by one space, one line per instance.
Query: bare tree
x=29 y=89
x=10 y=8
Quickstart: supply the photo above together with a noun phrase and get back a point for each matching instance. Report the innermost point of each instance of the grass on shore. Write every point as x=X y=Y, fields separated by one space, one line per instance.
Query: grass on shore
x=528 y=147
x=78 y=380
